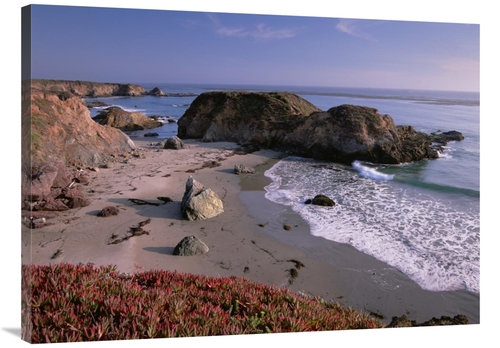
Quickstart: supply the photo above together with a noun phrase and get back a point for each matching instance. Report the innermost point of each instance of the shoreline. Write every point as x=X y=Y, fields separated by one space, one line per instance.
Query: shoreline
x=238 y=245
x=352 y=277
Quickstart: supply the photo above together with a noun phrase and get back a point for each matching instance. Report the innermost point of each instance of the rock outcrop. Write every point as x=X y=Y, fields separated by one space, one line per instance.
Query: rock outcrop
x=126 y=121
x=53 y=187
x=58 y=135
x=403 y=321
x=59 y=128
x=156 y=92
x=199 y=202
x=349 y=132
x=288 y=123
x=190 y=246
x=261 y=118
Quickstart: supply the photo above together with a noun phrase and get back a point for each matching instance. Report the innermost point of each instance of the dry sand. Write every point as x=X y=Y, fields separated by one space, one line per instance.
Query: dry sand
x=247 y=240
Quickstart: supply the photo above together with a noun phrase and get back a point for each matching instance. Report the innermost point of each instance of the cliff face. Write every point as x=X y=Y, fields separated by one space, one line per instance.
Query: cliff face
x=58 y=138
x=88 y=89
x=59 y=128
x=288 y=123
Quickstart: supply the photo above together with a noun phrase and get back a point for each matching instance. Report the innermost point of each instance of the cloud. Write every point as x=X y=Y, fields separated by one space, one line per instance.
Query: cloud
x=353 y=27
x=259 y=32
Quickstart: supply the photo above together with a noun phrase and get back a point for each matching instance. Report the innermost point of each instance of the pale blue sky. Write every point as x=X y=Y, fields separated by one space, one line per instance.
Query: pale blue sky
x=161 y=46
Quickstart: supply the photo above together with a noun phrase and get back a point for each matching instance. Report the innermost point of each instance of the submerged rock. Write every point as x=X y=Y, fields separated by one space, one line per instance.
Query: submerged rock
x=199 y=202
x=322 y=200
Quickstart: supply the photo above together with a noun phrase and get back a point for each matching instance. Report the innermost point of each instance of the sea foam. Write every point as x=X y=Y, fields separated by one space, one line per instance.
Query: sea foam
x=433 y=241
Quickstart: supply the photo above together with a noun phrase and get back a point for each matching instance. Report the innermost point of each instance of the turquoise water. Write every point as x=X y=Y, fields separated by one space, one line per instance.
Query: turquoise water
x=422 y=218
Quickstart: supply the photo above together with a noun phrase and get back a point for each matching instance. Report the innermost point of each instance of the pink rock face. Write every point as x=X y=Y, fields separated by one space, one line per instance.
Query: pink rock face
x=59 y=137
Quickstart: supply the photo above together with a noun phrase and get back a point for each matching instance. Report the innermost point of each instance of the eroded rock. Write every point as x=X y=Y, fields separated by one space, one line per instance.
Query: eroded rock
x=199 y=202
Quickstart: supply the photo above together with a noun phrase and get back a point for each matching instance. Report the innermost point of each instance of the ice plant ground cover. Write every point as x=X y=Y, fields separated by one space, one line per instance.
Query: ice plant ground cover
x=67 y=303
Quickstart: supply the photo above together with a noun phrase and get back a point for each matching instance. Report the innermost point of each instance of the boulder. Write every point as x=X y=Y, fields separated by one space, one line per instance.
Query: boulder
x=241 y=169
x=126 y=121
x=199 y=202
x=108 y=211
x=190 y=246
x=321 y=200
x=174 y=143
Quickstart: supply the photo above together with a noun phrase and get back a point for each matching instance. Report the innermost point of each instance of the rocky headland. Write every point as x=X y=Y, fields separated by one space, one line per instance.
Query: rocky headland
x=286 y=122
x=100 y=89
x=87 y=88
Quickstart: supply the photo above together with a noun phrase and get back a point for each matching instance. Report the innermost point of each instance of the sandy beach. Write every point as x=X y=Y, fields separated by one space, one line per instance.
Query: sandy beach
x=247 y=240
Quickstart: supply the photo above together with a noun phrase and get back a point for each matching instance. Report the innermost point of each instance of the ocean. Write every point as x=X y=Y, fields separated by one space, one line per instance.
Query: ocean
x=422 y=218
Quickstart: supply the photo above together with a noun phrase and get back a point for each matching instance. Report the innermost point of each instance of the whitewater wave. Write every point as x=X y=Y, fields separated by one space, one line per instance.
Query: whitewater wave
x=370 y=173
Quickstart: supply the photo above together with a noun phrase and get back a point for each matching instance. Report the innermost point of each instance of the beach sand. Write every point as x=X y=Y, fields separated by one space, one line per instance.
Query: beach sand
x=247 y=240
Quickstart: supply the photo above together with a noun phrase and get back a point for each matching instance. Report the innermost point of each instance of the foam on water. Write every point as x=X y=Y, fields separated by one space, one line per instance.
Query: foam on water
x=370 y=173
x=430 y=236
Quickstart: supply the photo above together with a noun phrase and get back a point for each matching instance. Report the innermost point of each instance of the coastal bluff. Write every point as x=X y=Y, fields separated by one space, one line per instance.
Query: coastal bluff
x=88 y=89
x=91 y=89
x=59 y=136
x=286 y=122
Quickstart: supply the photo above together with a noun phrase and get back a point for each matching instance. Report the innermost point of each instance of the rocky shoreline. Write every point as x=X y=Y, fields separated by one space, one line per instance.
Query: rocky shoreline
x=76 y=170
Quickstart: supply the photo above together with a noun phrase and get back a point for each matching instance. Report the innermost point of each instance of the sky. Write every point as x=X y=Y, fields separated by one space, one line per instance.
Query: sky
x=163 y=46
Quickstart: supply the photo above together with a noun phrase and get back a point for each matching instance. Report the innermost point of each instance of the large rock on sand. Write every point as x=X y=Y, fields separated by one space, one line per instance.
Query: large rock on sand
x=173 y=143
x=199 y=202
x=190 y=246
